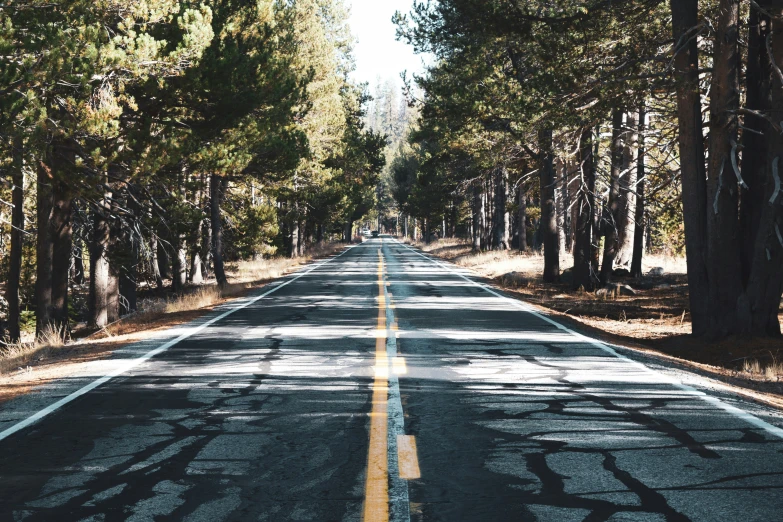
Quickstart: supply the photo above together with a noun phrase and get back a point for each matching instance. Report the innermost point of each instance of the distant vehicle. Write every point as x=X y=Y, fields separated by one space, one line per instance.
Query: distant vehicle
x=374 y=233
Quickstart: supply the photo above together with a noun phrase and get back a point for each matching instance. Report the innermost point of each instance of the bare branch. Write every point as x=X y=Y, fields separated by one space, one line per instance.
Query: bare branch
x=776 y=177
x=734 y=164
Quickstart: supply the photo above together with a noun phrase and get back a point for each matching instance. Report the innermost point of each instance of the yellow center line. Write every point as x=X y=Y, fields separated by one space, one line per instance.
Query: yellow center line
x=376 y=487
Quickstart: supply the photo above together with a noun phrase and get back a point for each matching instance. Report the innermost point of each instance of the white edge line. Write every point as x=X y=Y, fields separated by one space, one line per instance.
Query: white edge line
x=152 y=353
x=715 y=401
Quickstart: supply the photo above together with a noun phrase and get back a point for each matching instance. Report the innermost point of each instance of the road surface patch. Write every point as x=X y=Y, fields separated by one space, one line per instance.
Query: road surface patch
x=407 y=457
x=133 y=363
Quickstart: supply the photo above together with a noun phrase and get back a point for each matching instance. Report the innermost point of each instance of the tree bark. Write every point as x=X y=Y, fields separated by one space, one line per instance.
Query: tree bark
x=17 y=238
x=628 y=176
x=206 y=247
x=127 y=281
x=164 y=259
x=216 y=187
x=348 y=232
x=303 y=233
x=44 y=250
x=638 y=236
x=548 y=184
x=560 y=207
x=765 y=283
x=156 y=262
x=293 y=244
x=196 y=262
x=565 y=207
x=614 y=203
x=179 y=271
x=729 y=310
x=753 y=140
x=100 y=299
x=484 y=224
x=61 y=226
x=476 y=217
x=522 y=195
x=78 y=263
x=180 y=265
x=583 y=271
x=196 y=270
x=694 y=201
x=501 y=214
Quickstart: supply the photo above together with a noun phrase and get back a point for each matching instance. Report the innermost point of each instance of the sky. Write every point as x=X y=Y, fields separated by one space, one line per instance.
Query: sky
x=377 y=52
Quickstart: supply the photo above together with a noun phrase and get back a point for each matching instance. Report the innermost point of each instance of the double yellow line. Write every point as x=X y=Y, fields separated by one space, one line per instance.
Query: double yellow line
x=376 y=487
x=386 y=422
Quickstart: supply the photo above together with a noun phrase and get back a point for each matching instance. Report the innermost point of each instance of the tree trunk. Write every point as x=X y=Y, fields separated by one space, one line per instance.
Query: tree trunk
x=78 y=263
x=293 y=245
x=765 y=283
x=155 y=261
x=127 y=281
x=61 y=226
x=583 y=273
x=565 y=198
x=628 y=176
x=164 y=259
x=196 y=261
x=548 y=207
x=99 y=300
x=501 y=214
x=303 y=234
x=196 y=270
x=44 y=250
x=483 y=222
x=179 y=276
x=638 y=236
x=522 y=195
x=216 y=186
x=597 y=206
x=729 y=310
x=614 y=204
x=694 y=184
x=348 y=232
x=560 y=206
x=753 y=140
x=206 y=247
x=130 y=247
x=17 y=237
x=476 y=217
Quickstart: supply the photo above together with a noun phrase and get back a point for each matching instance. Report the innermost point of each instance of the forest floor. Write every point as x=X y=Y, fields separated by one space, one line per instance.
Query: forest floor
x=31 y=364
x=655 y=321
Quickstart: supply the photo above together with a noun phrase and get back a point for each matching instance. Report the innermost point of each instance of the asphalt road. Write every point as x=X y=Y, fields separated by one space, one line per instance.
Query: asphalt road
x=381 y=385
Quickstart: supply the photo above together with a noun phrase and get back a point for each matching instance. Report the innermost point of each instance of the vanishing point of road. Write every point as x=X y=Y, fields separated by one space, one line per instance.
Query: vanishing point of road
x=381 y=385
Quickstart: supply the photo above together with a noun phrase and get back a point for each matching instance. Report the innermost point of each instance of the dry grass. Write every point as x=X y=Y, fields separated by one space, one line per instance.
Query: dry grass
x=18 y=356
x=498 y=262
x=758 y=370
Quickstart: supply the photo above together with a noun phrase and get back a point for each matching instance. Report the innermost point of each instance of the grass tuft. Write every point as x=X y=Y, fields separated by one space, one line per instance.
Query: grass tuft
x=756 y=370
